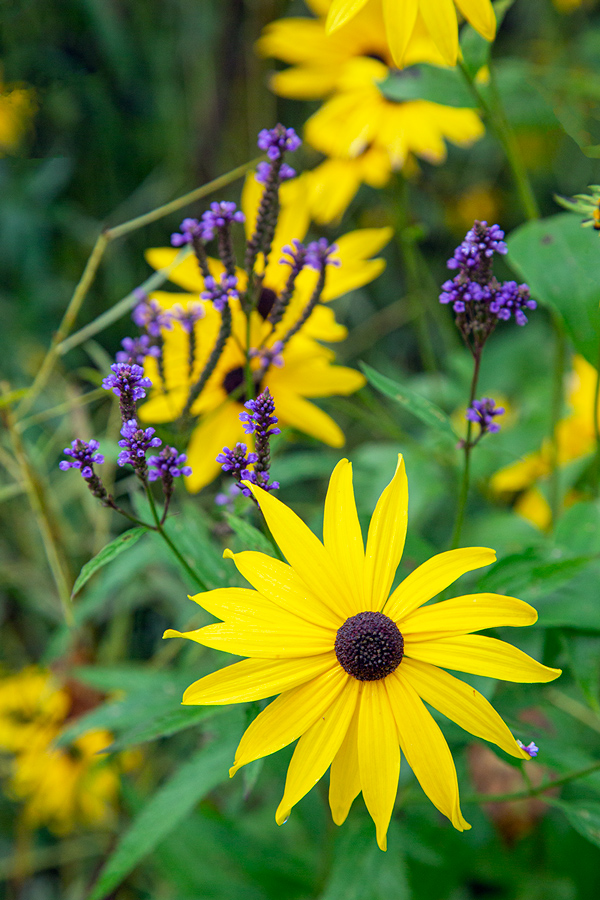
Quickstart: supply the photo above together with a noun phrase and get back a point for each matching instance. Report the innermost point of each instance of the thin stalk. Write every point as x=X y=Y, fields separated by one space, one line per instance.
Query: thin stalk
x=160 y=529
x=500 y=126
x=249 y=378
x=468 y=446
x=555 y=415
x=532 y=791
x=61 y=409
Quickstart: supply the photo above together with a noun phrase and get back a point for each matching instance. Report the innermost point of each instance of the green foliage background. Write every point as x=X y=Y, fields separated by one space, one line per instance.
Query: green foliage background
x=140 y=101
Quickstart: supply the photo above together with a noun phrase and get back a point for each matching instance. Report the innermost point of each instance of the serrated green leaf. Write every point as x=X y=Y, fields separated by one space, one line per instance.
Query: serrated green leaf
x=560 y=261
x=115 y=548
x=419 y=406
x=171 y=803
x=583 y=815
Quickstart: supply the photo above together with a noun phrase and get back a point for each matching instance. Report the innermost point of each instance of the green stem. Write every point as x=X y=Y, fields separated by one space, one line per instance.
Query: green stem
x=532 y=791
x=468 y=446
x=555 y=414
x=250 y=389
x=493 y=109
x=160 y=529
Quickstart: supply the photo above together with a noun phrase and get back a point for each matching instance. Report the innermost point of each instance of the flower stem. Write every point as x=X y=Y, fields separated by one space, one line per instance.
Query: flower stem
x=467 y=447
x=160 y=529
x=532 y=791
x=493 y=109
x=555 y=414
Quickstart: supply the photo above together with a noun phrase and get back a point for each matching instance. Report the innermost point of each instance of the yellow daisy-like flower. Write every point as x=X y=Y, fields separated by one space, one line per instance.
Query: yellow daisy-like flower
x=365 y=135
x=30 y=702
x=17 y=106
x=305 y=370
x=404 y=17
x=352 y=662
x=576 y=438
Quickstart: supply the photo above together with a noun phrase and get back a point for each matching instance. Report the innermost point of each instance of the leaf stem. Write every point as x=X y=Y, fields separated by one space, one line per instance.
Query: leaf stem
x=160 y=529
x=467 y=448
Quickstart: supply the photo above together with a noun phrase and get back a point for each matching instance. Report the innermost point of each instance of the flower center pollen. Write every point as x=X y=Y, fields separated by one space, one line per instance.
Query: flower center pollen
x=369 y=646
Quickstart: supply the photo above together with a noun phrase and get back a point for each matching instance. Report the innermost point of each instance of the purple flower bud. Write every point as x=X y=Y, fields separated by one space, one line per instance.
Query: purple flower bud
x=276 y=141
x=152 y=317
x=82 y=455
x=483 y=412
x=220 y=293
x=220 y=215
x=127 y=381
x=136 y=442
x=187 y=316
x=167 y=465
x=318 y=255
x=190 y=230
x=260 y=418
x=531 y=748
x=135 y=350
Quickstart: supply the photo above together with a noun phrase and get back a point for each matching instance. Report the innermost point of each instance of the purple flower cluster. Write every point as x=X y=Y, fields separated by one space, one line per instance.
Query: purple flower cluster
x=269 y=356
x=190 y=231
x=135 y=350
x=530 y=748
x=167 y=465
x=127 y=379
x=220 y=215
x=483 y=413
x=512 y=298
x=318 y=254
x=135 y=444
x=187 y=316
x=479 y=245
x=83 y=456
x=276 y=141
x=220 y=292
x=260 y=418
x=150 y=316
x=263 y=172
x=296 y=251
x=235 y=462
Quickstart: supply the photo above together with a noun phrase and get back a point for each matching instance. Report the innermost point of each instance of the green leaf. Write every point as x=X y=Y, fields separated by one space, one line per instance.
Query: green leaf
x=419 y=406
x=360 y=871
x=169 y=722
x=171 y=803
x=475 y=49
x=433 y=83
x=583 y=815
x=560 y=261
x=115 y=548
x=251 y=537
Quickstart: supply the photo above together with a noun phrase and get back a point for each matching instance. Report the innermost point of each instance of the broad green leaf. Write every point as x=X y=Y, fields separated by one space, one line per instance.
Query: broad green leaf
x=115 y=548
x=560 y=261
x=475 y=49
x=432 y=83
x=583 y=815
x=171 y=803
x=169 y=722
x=251 y=537
x=419 y=406
x=360 y=871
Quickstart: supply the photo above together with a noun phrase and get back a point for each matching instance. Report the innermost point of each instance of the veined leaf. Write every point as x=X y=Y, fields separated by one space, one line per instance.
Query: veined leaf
x=419 y=406
x=115 y=548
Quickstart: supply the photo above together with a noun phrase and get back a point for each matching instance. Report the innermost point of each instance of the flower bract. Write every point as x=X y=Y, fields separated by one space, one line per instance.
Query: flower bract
x=353 y=661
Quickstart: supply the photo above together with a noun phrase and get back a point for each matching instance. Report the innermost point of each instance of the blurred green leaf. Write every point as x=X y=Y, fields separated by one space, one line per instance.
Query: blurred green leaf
x=475 y=49
x=560 y=261
x=171 y=803
x=432 y=83
x=419 y=406
x=360 y=871
x=115 y=548
x=584 y=816
x=251 y=537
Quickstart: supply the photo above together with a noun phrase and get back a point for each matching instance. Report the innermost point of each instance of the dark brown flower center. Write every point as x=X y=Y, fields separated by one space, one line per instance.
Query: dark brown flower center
x=369 y=646
x=234 y=380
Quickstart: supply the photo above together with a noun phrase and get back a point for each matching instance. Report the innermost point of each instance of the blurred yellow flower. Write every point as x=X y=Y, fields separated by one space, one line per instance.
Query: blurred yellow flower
x=17 y=106
x=61 y=788
x=352 y=663
x=576 y=438
x=365 y=135
x=305 y=369
x=406 y=18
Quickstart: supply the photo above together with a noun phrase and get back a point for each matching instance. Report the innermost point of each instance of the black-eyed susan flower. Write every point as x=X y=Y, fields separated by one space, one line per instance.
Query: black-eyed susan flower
x=302 y=370
x=354 y=661
x=405 y=17
x=17 y=106
x=365 y=134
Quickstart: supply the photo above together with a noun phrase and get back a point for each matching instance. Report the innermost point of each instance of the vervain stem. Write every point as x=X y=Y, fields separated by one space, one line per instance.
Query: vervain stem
x=555 y=414
x=159 y=528
x=468 y=446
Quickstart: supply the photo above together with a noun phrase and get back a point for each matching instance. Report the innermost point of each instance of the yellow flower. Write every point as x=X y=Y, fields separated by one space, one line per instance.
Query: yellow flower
x=365 y=135
x=307 y=370
x=16 y=109
x=576 y=438
x=30 y=702
x=353 y=663
x=405 y=17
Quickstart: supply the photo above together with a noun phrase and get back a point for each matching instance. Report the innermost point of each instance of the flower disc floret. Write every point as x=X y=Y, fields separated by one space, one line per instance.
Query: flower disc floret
x=369 y=646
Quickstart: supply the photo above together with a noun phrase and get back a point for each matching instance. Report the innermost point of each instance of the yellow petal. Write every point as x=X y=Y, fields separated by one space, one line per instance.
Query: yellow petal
x=378 y=756
x=236 y=603
x=341 y=11
x=289 y=716
x=342 y=536
x=385 y=542
x=480 y=13
x=280 y=583
x=480 y=655
x=462 y=615
x=461 y=703
x=253 y=679
x=440 y=20
x=317 y=748
x=434 y=576
x=425 y=748
x=304 y=552
x=304 y=82
x=305 y=416
x=351 y=277
x=400 y=21
x=262 y=638
x=344 y=778
x=217 y=430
